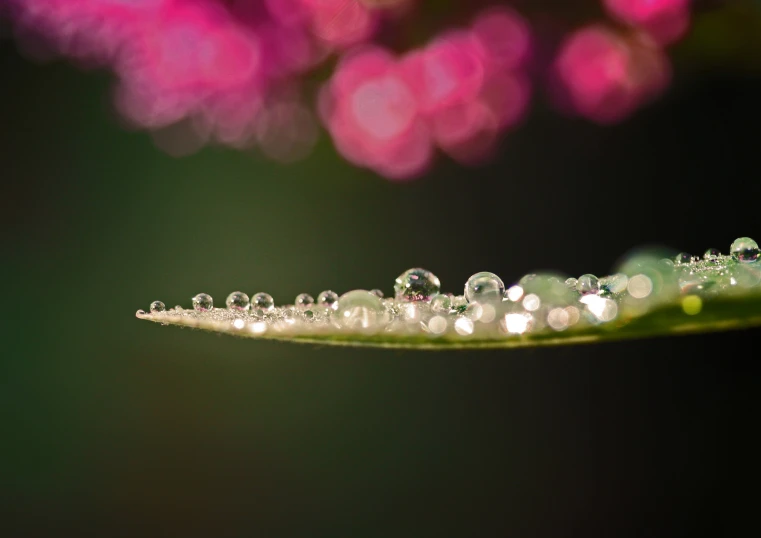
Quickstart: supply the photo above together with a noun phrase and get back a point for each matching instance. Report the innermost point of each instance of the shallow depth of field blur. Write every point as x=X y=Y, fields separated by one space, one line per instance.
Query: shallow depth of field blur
x=157 y=149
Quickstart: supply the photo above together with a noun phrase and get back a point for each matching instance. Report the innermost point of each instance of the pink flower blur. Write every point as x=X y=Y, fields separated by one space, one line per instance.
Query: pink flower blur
x=458 y=93
x=664 y=20
x=604 y=76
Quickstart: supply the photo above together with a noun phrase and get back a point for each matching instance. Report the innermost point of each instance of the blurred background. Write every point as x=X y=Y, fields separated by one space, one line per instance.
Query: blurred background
x=114 y=427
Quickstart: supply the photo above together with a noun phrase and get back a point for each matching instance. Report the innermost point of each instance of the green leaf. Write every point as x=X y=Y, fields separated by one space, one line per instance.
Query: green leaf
x=648 y=297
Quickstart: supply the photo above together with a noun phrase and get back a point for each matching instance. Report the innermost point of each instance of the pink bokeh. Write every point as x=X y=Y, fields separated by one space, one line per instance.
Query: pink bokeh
x=457 y=93
x=604 y=76
x=665 y=21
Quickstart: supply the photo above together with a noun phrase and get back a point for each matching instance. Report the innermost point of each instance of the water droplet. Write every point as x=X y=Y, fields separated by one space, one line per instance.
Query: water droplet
x=378 y=293
x=178 y=308
x=745 y=250
x=558 y=319
x=587 y=284
x=514 y=293
x=459 y=302
x=571 y=283
x=532 y=302
x=441 y=303
x=640 y=286
x=262 y=302
x=237 y=300
x=484 y=287
x=140 y=312
x=360 y=310
x=203 y=302
x=712 y=254
x=328 y=299
x=463 y=326
x=614 y=284
x=303 y=301
x=157 y=306
x=683 y=257
x=474 y=311
x=437 y=324
x=416 y=285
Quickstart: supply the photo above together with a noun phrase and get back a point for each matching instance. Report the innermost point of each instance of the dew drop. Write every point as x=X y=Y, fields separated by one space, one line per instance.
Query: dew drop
x=203 y=302
x=441 y=303
x=437 y=324
x=571 y=283
x=484 y=287
x=587 y=284
x=140 y=312
x=614 y=284
x=745 y=250
x=303 y=301
x=328 y=299
x=237 y=300
x=262 y=302
x=683 y=257
x=416 y=285
x=464 y=326
x=474 y=311
x=378 y=293
x=157 y=306
x=178 y=308
x=360 y=310
x=711 y=254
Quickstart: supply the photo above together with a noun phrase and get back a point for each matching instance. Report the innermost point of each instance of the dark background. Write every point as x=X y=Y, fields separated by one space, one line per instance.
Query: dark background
x=114 y=427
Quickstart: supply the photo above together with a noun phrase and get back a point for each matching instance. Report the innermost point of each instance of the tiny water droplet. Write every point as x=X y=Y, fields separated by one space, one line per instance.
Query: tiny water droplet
x=484 y=287
x=745 y=250
x=359 y=309
x=140 y=312
x=416 y=285
x=571 y=283
x=178 y=308
x=711 y=254
x=328 y=299
x=587 y=284
x=262 y=302
x=378 y=293
x=203 y=302
x=441 y=303
x=237 y=300
x=683 y=257
x=473 y=311
x=303 y=301
x=157 y=306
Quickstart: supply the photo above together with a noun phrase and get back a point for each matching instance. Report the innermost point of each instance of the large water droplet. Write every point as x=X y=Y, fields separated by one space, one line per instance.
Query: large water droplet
x=237 y=300
x=484 y=287
x=745 y=250
x=416 y=285
x=303 y=301
x=203 y=302
x=157 y=306
x=328 y=299
x=262 y=302
x=588 y=284
x=360 y=310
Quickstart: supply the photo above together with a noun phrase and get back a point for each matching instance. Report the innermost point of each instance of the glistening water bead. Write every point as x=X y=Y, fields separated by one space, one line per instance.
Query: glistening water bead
x=484 y=287
x=262 y=302
x=536 y=303
x=416 y=285
x=745 y=250
x=203 y=302
x=237 y=300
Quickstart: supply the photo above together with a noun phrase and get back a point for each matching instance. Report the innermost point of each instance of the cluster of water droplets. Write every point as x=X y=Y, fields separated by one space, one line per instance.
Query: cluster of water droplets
x=541 y=303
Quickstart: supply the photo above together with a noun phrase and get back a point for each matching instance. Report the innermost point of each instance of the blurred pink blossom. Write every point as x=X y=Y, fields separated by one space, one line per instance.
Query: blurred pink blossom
x=604 y=76
x=664 y=20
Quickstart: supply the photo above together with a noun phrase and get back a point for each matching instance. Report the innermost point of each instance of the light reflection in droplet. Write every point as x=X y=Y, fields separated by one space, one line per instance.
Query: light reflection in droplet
x=516 y=323
x=437 y=324
x=558 y=319
x=463 y=326
x=532 y=302
x=640 y=286
x=514 y=293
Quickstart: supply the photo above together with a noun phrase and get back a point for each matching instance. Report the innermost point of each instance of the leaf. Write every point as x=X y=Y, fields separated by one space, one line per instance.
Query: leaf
x=650 y=297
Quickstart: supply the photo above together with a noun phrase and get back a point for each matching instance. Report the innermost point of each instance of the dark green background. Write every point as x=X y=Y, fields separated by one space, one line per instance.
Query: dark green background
x=115 y=427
